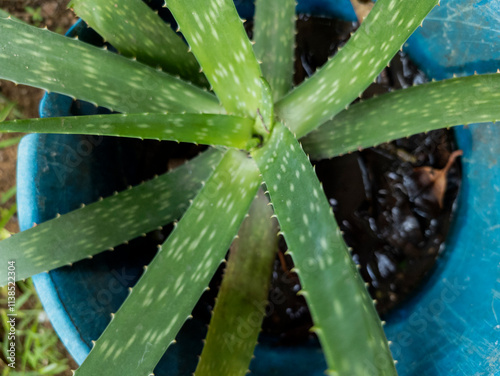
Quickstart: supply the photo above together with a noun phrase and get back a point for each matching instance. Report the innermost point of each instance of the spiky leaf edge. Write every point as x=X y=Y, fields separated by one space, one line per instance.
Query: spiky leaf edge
x=208 y=129
x=218 y=39
x=138 y=32
x=334 y=86
x=149 y=319
x=242 y=299
x=344 y=316
x=107 y=223
x=274 y=38
x=43 y=59
x=406 y=112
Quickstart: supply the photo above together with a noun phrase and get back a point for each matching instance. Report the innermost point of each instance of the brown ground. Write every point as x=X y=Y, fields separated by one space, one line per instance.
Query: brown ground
x=52 y=14
x=7 y=176
x=55 y=16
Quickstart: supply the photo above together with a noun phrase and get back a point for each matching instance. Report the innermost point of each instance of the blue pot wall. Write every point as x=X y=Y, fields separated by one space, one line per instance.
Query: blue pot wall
x=450 y=327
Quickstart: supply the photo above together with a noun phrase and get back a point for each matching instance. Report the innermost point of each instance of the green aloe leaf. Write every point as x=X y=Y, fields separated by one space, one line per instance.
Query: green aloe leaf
x=41 y=58
x=354 y=67
x=136 y=31
x=218 y=39
x=344 y=316
x=164 y=297
x=274 y=37
x=198 y=128
x=242 y=299
x=402 y=113
x=107 y=223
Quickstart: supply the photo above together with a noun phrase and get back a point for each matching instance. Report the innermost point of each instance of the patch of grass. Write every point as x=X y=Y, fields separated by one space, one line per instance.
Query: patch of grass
x=10 y=142
x=9 y=110
x=36 y=343
x=6 y=215
x=7 y=195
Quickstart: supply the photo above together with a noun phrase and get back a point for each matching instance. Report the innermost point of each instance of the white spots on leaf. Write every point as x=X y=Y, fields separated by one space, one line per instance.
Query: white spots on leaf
x=305 y=219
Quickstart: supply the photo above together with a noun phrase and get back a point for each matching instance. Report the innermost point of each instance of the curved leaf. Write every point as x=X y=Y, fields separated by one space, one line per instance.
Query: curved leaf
x=136 y=31
x=345 y=319
x=107 y=223
x=198 y=128
x=405 y=112
x=162 y=300
x=354 y=67
x=274 y=37
x=216 y=35
x=242 y=299
x=43 y=59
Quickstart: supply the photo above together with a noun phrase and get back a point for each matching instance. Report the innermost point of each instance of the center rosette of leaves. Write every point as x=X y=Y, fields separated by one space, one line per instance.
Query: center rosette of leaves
x=261 y=131
x=264 y=121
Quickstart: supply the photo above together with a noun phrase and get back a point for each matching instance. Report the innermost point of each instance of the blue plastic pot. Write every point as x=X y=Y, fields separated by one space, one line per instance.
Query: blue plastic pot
x=450 y=327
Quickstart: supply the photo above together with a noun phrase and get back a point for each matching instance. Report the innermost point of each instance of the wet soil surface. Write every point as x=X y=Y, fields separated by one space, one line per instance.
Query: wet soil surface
x=393 y=214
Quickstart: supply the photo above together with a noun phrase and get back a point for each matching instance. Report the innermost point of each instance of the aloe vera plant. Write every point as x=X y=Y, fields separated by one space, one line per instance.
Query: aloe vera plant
x=260 y=129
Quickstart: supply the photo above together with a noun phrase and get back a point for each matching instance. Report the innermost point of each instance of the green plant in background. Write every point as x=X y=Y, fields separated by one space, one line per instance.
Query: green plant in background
x=8 y=110
x=37 y=345
x=36 y=14
x=253 y=117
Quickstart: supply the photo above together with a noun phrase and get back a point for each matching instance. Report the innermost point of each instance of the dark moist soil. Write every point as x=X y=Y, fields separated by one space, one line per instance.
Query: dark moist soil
x=394 y=222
